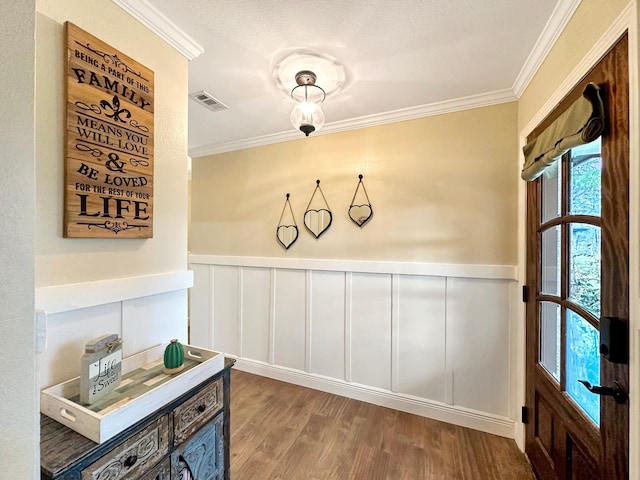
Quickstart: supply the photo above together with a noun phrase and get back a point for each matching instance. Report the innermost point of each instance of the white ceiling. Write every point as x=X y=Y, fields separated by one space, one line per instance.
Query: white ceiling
x=402 y=58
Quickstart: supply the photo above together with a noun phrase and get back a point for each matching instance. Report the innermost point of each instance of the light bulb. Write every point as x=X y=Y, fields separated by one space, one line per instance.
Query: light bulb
x=307 y=117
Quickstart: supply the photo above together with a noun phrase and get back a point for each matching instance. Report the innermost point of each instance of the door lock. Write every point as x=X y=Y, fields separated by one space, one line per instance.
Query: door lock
x=616 y=391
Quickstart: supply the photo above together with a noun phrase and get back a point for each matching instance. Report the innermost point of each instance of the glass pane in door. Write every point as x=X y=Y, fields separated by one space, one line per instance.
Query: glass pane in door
x=584 y=266
x=586 y=174
x=583 y=363
x=550 y=338
x=551 y=194
x=550 y=261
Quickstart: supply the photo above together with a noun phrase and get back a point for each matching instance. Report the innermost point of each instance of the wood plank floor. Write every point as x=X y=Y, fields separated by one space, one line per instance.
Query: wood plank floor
x=281 y=431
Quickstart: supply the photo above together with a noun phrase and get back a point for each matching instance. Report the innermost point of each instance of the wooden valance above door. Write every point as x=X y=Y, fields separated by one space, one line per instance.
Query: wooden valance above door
x=581 y=123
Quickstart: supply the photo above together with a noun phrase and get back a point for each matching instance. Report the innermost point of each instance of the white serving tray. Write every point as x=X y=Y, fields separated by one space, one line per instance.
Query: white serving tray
x=105 y=419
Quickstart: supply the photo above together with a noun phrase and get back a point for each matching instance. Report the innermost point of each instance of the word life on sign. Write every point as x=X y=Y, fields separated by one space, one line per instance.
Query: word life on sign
x=109 y=141
x=100 y=368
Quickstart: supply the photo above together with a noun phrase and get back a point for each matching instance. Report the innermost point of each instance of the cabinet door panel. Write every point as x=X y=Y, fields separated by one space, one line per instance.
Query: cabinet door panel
x=203 y=453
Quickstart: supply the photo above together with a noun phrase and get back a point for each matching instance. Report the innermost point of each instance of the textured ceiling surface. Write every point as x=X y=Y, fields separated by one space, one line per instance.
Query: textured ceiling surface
x=395 y=55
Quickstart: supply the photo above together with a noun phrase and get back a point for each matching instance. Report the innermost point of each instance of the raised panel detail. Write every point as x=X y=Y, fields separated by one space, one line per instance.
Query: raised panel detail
x=478 y=337
x=421 y=336
x=202 y=454
x=201 y=314
x=256 y=305
x=578 y=465
x=225 y=309
x=327 y=356
x=544 y=426
x=424 y=342
x=371 y=330
x=289 y=321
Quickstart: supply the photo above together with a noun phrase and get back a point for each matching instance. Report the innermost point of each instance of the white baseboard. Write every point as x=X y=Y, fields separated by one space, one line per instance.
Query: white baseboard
x=461 y=416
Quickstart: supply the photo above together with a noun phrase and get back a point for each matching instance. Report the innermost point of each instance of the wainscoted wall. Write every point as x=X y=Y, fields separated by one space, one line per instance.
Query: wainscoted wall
x=145 y=311
x=430 y=339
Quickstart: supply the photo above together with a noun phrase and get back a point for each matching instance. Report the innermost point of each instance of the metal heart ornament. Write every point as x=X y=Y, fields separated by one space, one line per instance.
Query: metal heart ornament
x=360 y=214
x=287 y=229
x=317 y=221
x=317 y=216
x=287 y=235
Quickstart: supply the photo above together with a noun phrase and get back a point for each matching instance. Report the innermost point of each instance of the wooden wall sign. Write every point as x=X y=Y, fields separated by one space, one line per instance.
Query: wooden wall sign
x=109 y=141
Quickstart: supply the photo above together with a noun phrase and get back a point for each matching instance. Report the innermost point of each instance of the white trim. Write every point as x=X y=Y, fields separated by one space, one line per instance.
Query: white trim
x=555 y=26
x=64 y=298
x=212 y=308
x=272 y=316
x=617 y=28
x=448 y=348
x=348 y=323
x=497 y=272
x=159 y=24
x=308 y=319
x=461 y=416
x=411 y=113
x=240 y=309
x=395 y=333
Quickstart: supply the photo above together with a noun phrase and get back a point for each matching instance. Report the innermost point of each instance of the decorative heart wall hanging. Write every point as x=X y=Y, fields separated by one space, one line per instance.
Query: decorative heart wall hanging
x=317 y=220
x=360 y=213
x=287 y=233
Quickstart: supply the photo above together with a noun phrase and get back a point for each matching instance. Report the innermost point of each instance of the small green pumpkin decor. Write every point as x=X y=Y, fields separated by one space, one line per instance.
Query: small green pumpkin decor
x=173 y=358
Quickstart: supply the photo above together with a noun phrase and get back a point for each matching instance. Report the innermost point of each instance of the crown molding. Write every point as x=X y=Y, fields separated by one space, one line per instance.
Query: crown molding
x=555 y=26
x=155 y=21
x=411 y=113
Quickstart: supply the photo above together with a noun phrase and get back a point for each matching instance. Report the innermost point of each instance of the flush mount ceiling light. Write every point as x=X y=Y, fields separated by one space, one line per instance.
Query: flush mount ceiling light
x=295 y=71
x=307 y=115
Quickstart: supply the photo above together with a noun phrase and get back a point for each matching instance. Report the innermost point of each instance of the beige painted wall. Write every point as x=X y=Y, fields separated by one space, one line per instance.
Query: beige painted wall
x=60 y=260
x=442 y=190
x=19 y=452
x=586 y=27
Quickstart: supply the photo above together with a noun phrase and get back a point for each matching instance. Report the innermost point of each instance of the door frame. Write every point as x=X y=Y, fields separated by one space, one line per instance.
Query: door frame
x=628 y=21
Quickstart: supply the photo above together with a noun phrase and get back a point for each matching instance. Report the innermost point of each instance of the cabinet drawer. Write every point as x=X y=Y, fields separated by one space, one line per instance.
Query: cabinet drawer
x=161 y=472
x=195 y=412
x=137 y=454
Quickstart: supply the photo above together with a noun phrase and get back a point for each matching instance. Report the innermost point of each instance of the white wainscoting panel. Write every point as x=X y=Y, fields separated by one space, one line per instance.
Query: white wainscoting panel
x=154 y=320
x=201 y=333
x=67 y=334
x=256 y=307
x=145 y=311
x=478 y=329
x=413 y=338
x=421 y=331
x=142 y=323
x=327 y=356
x=371 y=330
x=226 y=310
x=289 y=319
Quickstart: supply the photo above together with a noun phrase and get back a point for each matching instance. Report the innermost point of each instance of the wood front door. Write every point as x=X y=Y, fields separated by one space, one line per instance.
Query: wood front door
x=578 y=292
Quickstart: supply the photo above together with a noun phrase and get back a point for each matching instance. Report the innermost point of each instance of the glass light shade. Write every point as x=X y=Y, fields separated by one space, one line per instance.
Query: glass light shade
x=307 y=115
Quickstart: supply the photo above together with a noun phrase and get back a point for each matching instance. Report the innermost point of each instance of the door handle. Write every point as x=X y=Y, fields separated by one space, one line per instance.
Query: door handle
x=616 y=391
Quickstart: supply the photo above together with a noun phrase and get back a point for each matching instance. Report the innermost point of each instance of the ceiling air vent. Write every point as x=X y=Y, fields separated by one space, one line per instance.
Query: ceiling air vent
x=206 y=100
